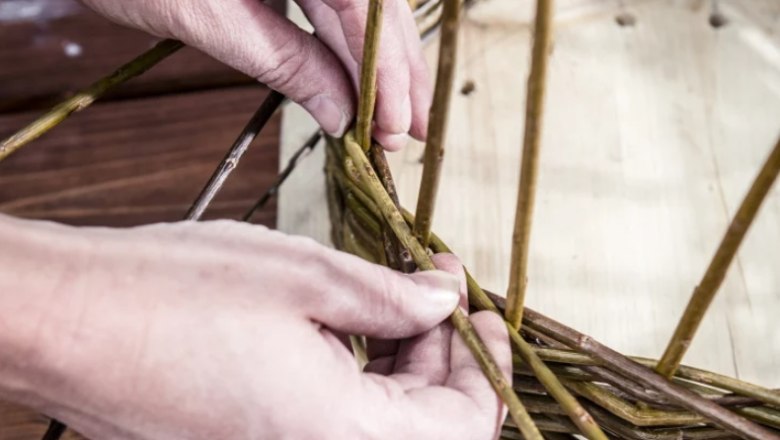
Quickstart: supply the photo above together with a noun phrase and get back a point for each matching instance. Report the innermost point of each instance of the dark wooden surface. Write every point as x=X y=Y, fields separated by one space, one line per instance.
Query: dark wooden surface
x=139 y=161
x=139 y=156
x=48 y=55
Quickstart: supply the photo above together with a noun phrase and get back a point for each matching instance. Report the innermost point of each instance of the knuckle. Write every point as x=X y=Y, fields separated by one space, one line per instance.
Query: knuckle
x=285 y=63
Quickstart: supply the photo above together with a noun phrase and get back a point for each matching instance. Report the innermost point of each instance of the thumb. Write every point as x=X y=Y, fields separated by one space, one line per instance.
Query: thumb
x=358 y=297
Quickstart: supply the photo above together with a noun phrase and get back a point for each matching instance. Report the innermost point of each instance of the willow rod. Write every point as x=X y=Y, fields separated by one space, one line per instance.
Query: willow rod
x=367 y=100
x=458 y=319
x=86 y=97
x=437 y=121
x=234 y=154
x=716 y=271
x=534 y=109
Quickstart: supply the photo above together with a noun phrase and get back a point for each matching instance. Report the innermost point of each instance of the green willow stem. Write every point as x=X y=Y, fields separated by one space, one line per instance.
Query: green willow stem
x=367 y=99
x=534 y=109
x=716 y=271
x=458 y=319
x=437 y=121
x=86 y=97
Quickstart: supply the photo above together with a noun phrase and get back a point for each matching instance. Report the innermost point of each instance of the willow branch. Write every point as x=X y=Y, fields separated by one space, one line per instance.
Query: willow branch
x=301 y=153
x=437 y=121
x=458 y=319
x=716 y=271
x=86 y=97
x=534 y=108
x=233 y=156
x=367 y=99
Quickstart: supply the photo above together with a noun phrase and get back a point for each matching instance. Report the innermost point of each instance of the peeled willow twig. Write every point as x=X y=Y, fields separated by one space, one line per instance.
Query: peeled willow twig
x=437 y=121
x=461 y=323
x=367 y=99
x=86 y=97
x=233 y=156
x=534 y=108
x=716 y=271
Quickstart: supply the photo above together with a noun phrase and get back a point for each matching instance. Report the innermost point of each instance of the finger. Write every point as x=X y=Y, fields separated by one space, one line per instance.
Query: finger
x=421 y=86
x=428 y=355
x=393 y=113
x=254 y=39
x=467 y=376
x=350 y=295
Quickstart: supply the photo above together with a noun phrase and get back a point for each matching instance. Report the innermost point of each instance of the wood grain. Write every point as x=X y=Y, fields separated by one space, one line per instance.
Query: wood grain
x=51 y=48
x=139 y=161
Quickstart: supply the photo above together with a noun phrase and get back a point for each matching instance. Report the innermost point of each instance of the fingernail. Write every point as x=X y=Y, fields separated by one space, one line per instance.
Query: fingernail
x=443 y=288
x=393 y=142
x=330 y=116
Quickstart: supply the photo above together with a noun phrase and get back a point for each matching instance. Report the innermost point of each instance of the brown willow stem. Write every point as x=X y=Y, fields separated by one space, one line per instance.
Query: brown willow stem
x=86 y=97
x=716 y=271
x=458 y=319
x=642 y=375
x=437 y=121
x=534 y=110
x=367 y=99
x=233 y=156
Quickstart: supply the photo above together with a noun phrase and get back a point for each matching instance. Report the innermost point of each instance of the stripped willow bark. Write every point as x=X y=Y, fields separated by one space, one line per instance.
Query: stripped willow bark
x=233 y=156
x=367 y=99
x=534 y=109
x=716 y=271
x=437 y=121
x=395 y=220
x=86 y=97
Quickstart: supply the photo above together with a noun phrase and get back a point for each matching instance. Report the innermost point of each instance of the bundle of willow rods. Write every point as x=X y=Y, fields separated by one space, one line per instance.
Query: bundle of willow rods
x=564 y=383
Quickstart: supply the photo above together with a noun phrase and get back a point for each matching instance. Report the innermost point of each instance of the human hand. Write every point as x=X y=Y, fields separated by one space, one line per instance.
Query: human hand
x=321 y=73
x=225 y=330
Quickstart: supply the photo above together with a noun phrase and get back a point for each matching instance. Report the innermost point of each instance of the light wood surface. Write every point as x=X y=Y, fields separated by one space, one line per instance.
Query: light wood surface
x=653 y=133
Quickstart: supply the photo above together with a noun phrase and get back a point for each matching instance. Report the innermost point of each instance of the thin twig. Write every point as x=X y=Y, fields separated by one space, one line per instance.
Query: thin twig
x=86 y=97
x=437 y=121
x=716 y=271
x=534 y=110
x=239 y=147
x=301 y=153
x=54 y=431
x=367 y=99
x=459 y=320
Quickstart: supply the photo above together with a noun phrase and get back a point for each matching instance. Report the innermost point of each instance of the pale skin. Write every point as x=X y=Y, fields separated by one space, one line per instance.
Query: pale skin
x=228 y=330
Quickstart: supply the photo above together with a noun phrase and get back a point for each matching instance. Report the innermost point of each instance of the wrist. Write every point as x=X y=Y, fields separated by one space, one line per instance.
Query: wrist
x=36 y=260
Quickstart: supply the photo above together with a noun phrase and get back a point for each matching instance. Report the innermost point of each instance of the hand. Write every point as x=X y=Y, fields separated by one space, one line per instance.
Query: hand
x=321 y=73
x=225 y=330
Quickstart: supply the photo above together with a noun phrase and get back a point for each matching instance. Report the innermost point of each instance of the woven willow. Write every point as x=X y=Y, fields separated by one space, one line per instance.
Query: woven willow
x=565 y=384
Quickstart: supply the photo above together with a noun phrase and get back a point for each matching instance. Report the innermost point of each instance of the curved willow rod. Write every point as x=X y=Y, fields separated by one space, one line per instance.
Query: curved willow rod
x=86 y=97
x=716 y=271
